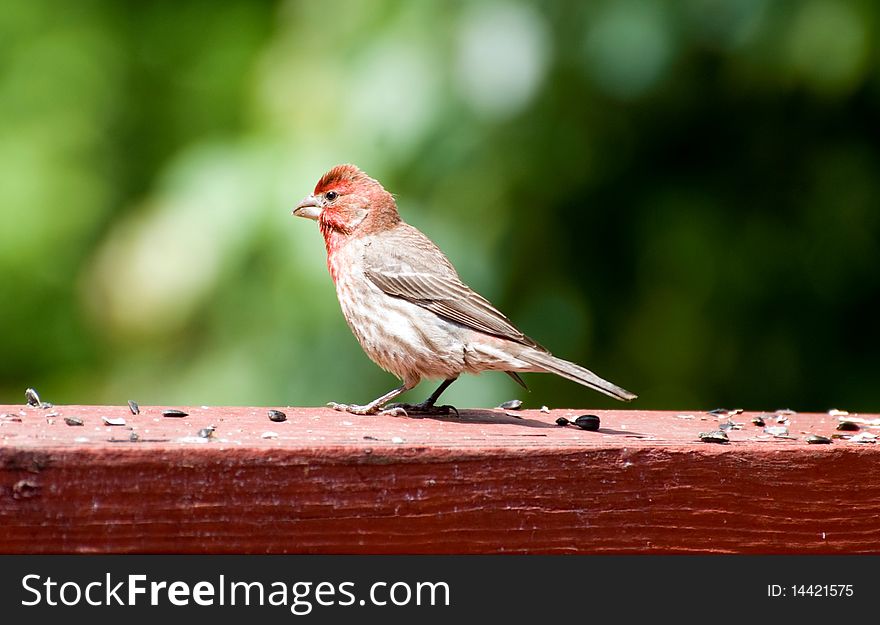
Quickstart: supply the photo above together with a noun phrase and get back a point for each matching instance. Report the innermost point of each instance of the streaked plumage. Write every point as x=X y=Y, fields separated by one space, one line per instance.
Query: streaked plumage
x=405 y=302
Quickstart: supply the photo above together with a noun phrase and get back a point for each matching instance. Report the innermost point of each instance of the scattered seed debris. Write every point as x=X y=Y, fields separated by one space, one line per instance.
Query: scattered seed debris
x=860 y=421
x=562 y=421
x=685 y=416
x=759 y=421
x=207 y=432
x=513 y=404
x=783 y=419
x=133 y=437
x=588 y=422
x=513 y=414
x=397 y=440
x=269 y=435
x=9 y=418
x=73 y=421
x=45 y=405
x=277 y=416
x=81 y=439
x=133 y=406
x=848 y=426
x=816 y=439
x=785 y=411
x=730 y=425
x=724 y=412
x=776 y=430
x=174 y=413
x=32 y=398
x=370 y=438
x=834 y=412
x=863 y=437
x=113 y=421
x=714 y=437
x=545 y=409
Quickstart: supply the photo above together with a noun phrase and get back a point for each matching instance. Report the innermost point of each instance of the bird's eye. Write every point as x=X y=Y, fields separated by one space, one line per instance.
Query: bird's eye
x=331 y=195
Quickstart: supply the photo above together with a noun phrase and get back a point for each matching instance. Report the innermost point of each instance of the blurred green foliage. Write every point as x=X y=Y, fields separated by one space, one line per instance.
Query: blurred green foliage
x=682 y=196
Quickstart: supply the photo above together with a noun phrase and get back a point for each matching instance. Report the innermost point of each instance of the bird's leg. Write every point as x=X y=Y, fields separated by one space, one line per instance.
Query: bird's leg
x=427 y=406
x=375 y=406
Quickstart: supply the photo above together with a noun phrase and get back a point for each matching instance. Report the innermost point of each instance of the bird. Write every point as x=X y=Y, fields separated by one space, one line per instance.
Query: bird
x=407 y=306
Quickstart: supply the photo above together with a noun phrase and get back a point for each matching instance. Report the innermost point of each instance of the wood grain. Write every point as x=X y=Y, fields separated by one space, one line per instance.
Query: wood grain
x=485 y=483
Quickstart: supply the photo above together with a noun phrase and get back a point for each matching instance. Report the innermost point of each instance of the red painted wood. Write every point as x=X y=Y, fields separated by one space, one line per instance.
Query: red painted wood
x=485 y=483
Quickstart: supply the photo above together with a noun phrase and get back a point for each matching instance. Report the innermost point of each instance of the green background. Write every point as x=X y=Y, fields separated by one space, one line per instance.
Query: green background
x=682 y=196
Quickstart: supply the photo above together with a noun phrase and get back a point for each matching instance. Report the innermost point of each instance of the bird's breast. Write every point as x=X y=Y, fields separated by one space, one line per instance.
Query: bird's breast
x=399 y=336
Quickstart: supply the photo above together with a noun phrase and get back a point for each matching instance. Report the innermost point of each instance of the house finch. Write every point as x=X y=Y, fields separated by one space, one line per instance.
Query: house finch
x=406 y=305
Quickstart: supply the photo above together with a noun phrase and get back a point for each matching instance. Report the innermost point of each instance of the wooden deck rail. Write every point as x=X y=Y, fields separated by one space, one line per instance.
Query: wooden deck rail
x=487 y=482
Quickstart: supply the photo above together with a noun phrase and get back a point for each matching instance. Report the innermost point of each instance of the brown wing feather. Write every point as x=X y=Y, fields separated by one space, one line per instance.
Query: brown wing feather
x=408 y=265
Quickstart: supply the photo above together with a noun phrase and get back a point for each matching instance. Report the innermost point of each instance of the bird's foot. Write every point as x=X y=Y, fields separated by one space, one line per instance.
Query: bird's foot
x=369 y=409
x=425 y=408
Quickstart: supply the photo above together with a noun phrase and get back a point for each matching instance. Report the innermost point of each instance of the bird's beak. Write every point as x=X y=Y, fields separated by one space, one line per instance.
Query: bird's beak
x=308 y=208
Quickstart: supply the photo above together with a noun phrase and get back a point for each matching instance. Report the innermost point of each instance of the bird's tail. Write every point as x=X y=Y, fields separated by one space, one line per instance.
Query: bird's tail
x=551 y=364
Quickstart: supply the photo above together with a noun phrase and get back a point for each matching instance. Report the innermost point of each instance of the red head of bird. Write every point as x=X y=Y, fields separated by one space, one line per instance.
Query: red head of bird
x=348 y=203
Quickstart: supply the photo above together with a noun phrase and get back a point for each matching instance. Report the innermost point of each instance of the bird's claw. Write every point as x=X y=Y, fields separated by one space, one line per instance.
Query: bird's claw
x=429 y=409
x=392 y=411
x=352 y=408
x=450 y=409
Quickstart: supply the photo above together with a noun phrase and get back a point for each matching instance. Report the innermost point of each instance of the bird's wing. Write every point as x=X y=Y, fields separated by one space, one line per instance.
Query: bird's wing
x=406 y=264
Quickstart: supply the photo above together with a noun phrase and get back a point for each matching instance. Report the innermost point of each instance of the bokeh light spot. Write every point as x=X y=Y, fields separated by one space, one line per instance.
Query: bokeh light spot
x=628 y=47
x=503 y=51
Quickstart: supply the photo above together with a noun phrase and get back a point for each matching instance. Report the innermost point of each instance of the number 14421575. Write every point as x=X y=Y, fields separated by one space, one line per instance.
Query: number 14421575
x=810 y=590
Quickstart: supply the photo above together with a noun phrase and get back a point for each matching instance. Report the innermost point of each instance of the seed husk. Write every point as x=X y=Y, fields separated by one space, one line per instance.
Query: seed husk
x=714 y=437
x=863 y=437
x=114 y=420
x=776 y=430
x=33 y=399
x=562 y=421
x=277 y=416
x=513 y=404
x=133 y=406
x=174 y=413
x=589 y=422
x=73 y=421
x=816 y=439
